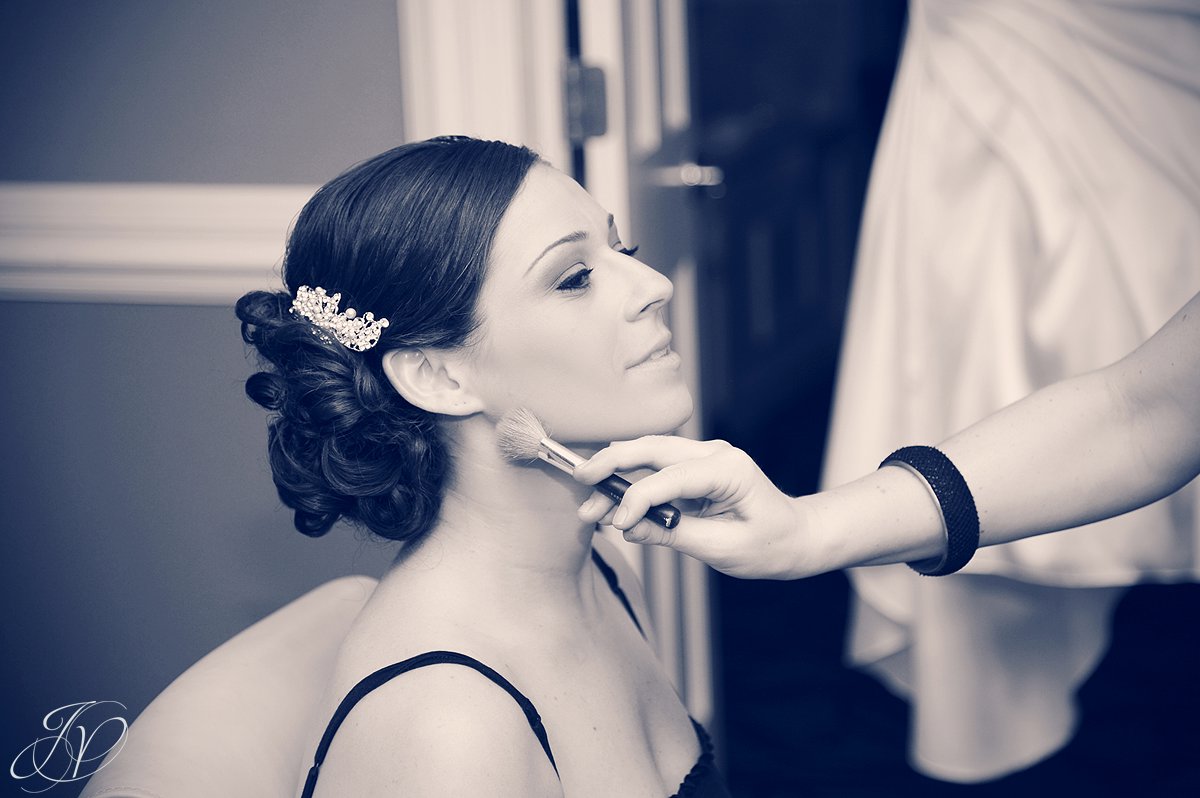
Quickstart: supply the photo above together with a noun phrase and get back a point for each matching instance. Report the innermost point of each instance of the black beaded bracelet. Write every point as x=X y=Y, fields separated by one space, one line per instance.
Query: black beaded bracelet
x=960 y=519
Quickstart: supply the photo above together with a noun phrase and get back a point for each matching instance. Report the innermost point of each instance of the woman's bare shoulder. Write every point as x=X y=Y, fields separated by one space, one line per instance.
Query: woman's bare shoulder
x=438 y=730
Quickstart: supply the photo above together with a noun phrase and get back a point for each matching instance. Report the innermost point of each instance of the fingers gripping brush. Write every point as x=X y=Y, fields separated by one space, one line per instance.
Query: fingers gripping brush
x=523 y=438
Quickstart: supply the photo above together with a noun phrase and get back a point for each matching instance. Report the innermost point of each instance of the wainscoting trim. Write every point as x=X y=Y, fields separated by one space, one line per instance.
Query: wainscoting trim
x=153 y=243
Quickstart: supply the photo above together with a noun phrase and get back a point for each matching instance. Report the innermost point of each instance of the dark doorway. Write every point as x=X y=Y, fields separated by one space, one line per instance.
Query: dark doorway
x=789 y=99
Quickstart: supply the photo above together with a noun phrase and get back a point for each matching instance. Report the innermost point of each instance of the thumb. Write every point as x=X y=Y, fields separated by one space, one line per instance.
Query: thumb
x=696 y=537
x=651 y=534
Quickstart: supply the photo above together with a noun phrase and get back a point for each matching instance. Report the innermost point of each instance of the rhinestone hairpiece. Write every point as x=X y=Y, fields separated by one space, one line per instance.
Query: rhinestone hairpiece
x=359 y=333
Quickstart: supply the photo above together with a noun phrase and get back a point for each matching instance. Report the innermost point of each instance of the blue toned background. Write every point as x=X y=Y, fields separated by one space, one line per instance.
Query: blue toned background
x=140 y=526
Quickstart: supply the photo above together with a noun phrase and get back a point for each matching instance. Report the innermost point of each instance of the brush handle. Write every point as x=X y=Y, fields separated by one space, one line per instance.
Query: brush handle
x=614 y=487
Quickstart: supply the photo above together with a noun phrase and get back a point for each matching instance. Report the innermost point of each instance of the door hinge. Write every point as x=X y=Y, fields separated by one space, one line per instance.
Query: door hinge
x=585 y=102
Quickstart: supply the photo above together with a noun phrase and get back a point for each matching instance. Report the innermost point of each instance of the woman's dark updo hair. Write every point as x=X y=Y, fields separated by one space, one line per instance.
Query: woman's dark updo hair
x=405 y=235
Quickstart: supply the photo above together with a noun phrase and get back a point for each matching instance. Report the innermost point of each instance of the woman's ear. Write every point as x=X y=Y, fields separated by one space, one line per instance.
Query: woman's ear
x=428 y=379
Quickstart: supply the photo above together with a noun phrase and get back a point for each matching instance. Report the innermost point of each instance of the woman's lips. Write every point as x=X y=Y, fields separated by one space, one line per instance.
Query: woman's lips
x=660 y=356
x=663 y=358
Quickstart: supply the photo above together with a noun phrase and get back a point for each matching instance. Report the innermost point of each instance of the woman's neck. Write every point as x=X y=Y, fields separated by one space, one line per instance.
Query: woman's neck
x=509 y=533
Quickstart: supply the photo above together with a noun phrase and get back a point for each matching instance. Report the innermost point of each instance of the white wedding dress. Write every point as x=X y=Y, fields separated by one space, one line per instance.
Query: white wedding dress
x=1033 y=213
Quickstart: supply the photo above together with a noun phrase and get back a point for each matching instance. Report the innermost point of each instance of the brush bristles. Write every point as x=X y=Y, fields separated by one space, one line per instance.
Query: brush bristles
x=519 y=435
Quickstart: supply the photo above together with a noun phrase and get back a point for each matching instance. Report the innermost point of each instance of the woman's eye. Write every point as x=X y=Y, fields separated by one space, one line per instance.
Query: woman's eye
x=577 y=281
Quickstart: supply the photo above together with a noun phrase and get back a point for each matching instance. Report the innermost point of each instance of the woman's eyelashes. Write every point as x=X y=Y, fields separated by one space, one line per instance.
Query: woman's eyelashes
x=577 y=280
x=580 y=279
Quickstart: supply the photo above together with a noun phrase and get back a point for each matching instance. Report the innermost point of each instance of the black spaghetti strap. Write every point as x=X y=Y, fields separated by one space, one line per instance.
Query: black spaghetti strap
x=385 y=674
x=610 y=576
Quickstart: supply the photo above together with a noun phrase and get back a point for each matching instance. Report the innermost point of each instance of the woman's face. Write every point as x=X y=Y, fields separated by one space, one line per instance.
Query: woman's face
x=572 y=327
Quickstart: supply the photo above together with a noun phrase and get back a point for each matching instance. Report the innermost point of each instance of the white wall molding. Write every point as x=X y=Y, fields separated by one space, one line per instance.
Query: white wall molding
x=485 y=69
x=168 y=243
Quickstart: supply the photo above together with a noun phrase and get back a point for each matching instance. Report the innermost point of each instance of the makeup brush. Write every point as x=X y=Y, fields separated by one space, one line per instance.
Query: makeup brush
x=523 y=438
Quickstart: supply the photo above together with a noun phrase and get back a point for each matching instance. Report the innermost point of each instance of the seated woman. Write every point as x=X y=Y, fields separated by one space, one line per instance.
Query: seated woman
x=503 y=654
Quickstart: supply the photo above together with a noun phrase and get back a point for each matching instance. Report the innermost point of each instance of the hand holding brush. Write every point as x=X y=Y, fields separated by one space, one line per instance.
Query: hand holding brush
x=523 y=438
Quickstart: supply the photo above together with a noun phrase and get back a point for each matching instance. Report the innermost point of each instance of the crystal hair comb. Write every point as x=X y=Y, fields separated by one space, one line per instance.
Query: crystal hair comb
x=359 y=333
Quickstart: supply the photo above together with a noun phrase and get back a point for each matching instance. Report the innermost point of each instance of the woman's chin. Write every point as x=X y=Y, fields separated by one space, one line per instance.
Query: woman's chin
x=659 y=419
x=663 y=418
x=684 y=409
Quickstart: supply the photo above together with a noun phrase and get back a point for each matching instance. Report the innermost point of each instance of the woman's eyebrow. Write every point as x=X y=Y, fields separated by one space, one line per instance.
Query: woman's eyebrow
x=569 y=238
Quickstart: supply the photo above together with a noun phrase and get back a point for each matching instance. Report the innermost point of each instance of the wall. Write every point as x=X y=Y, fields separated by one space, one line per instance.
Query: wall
x=267 y=91
x=140 y=527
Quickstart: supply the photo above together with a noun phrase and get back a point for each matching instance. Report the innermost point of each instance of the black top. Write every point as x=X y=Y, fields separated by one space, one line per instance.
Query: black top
x=702 y=781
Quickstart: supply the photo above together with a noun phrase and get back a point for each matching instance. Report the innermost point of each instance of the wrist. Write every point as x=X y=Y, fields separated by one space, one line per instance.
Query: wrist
x=884 y=517
x=820 y=541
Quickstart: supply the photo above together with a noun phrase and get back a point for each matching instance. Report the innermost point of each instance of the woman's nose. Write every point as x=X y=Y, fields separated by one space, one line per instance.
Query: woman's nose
x=650 y=290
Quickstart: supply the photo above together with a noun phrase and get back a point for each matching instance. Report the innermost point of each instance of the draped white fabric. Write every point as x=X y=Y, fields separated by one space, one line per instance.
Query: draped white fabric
x=1033 y=213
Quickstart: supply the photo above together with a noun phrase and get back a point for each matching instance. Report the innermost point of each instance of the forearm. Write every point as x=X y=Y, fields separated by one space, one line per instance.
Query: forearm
x=1056 y=459
x=1072 y=453
x=1091 y=447
x=1062 y=457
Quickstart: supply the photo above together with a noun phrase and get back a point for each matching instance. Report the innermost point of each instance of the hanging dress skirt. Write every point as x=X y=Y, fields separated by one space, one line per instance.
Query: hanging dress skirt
x=1033 y=214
